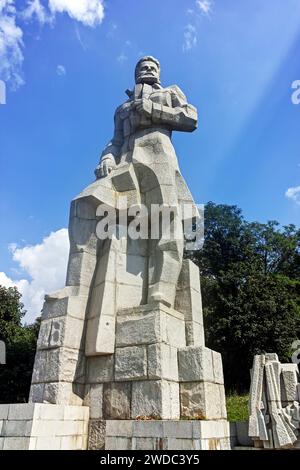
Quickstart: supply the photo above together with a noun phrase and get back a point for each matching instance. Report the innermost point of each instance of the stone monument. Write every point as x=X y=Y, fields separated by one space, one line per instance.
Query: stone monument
x=124 y=339
x=274 y=406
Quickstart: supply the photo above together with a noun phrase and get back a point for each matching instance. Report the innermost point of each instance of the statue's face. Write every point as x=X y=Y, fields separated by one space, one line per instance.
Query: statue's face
x=148 y=72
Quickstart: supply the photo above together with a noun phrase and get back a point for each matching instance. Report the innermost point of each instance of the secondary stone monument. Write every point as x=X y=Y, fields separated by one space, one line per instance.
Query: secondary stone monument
x=274 y=403
x=124 y=338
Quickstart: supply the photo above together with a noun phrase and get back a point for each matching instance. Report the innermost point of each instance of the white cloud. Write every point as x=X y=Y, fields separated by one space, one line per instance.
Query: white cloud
x=205 y=6
x=294 y=194
x=11 y=45
x=89 y=12
x=191 y=29
x=61 y=70
x=122 y=58
x=45 y=264
x=35 y=10
x=190 y=37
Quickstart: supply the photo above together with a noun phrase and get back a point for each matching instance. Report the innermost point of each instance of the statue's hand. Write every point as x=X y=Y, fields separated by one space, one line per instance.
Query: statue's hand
x=143 y=106
x=106 y=165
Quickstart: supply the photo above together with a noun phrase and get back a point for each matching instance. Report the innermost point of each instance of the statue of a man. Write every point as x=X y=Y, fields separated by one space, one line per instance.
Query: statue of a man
x=149 y=107
x=142 y=136
x=139 y=162
x=130 y=299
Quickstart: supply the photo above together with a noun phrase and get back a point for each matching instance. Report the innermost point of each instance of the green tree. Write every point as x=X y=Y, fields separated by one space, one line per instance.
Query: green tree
x=11 y=312
x=250 y=288
x=15 y=376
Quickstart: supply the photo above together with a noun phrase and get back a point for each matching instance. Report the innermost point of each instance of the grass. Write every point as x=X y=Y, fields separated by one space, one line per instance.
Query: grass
x=237 y=407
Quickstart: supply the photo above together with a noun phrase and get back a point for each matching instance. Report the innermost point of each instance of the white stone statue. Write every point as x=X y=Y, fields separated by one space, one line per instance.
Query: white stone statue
x=121 y=361
x=274 y=406
x=138 y=163
x=125 y=336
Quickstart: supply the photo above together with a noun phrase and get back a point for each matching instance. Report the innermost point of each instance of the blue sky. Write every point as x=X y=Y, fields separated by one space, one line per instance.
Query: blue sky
x=66 y=70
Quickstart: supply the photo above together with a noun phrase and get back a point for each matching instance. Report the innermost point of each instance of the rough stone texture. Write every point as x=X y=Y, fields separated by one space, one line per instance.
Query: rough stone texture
x=94 y=400
x=257 y=425
x=117 y=401
x=157 y=399
x=194 y=333
x=131 y=363
x=202 y=400
x=100 y=369
x=192 y=400
x=151 y=324
x=59 y=365
x=195 y=364
x=289 y=382
x=143 y=329
x=65 y=393
x=70 y=301
x=96 y=439
x=61 y=331
x=274 y=410
x=162 y=362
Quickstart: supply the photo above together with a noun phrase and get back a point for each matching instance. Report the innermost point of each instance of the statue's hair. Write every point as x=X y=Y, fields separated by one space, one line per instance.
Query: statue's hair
x=144 y=59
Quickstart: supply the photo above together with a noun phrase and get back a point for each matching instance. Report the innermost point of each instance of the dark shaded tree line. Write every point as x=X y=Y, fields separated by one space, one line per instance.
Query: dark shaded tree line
x=20 y=341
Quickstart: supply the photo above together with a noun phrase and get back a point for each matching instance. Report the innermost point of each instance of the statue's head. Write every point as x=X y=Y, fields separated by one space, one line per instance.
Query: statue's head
x=147 y=70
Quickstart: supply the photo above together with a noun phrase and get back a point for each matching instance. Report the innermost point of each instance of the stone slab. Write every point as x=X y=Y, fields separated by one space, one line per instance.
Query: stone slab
x=167 y=435
x=38 y=426
x=155 y=399
x=139 y=327
x=195 y=363
x=131 y=363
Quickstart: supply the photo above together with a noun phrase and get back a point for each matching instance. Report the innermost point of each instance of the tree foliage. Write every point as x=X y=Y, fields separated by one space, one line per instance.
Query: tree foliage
x=20 y=341
x=251 y=291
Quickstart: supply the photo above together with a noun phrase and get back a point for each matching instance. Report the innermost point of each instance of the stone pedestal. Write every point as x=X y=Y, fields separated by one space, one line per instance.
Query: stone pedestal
x=161 y=384
x=165 y=435
x=37 y=426
x=153 y=374
x=155 y=391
